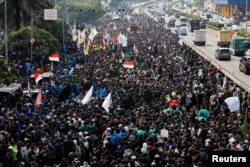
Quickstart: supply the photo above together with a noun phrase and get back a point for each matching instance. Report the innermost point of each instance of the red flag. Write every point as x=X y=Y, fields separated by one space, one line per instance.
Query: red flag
x=129 y=64
x=37 y=77
x=54 y=57
x=38 y=99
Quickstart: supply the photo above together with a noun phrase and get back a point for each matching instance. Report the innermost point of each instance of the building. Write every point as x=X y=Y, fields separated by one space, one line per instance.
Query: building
x=233 y=8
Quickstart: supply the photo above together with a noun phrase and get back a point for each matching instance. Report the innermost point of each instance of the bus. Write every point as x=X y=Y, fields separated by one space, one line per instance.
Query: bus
x=193 y=24
x=183 y=21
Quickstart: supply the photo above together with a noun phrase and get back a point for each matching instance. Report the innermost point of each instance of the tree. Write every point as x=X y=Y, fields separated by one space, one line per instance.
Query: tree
x=45 y=42
x=6 y=77
x=19 y=11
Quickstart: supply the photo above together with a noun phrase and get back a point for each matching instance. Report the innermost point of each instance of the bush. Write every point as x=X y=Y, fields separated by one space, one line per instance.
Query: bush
x=243 y=34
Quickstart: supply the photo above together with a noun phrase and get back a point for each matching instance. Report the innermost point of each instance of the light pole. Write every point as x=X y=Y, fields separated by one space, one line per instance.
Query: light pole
x=246 y=13
x=6 y=30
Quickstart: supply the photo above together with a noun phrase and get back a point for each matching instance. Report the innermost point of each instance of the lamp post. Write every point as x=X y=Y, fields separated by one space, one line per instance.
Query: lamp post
x=246 y=13
x=6 y=30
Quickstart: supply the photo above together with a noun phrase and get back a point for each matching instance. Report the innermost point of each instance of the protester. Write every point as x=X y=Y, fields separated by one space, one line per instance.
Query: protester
x=170 y=87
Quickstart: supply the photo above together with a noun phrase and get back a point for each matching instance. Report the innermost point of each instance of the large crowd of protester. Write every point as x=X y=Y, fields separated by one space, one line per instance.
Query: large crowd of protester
x=141 y=128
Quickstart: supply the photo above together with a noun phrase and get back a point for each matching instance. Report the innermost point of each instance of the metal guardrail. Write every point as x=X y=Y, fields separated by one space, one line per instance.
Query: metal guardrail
x=214 y=63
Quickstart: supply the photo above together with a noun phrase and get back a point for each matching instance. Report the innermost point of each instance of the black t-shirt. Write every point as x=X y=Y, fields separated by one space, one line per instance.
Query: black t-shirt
x=67 y=146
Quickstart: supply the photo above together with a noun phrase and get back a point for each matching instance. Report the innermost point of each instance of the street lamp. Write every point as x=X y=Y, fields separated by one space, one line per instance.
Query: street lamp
x=6 y=30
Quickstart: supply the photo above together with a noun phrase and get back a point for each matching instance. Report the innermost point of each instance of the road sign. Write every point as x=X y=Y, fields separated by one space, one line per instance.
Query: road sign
x=32 y=40
x=50 y=14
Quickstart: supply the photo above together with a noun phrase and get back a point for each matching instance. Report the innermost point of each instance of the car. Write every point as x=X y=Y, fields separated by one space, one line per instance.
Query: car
x=245 y=64
x=202 y=25
x=223 y=53
x=182 y=31
x=171 y=24
x=235 y=27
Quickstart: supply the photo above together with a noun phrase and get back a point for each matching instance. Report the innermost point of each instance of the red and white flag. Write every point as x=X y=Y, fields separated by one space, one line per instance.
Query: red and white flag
x=54 y=57
x=129 y=64
x=38 y=99
x=37 y=77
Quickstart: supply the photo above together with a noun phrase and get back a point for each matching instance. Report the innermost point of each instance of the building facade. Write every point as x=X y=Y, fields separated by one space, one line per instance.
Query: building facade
x=233 y=8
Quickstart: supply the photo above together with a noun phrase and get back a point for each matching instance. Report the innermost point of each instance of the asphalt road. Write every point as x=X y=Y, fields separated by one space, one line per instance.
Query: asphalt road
x=229 y=68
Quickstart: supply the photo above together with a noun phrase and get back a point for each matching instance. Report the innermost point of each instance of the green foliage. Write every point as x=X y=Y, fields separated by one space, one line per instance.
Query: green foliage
x=6 y=77
x=243 y=34
x=215 y=24
x=45 y=42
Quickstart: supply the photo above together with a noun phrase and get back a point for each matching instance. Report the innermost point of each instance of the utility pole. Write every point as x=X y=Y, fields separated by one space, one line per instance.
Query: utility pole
x=63 y=7
x=6 y=30
x=246 y=13
x=31 y=36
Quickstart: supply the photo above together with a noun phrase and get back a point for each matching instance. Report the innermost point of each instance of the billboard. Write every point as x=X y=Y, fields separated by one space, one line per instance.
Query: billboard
x=231 y=2
x=222 y=2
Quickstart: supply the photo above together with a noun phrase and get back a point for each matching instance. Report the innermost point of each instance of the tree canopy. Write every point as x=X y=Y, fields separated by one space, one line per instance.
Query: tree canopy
x=45 y=42
x=6 y=77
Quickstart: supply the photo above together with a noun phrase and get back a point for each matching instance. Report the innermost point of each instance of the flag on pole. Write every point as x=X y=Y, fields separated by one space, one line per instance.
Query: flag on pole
x=233 y=103
x=74 y=36
x=129 y=64
x=87 y=48
x=92 y=34
x=38 y=99
x=54 y=57
x=29 y=90
x=88 y=96
x=37 y=77
x=107 y=103
x=245 y=125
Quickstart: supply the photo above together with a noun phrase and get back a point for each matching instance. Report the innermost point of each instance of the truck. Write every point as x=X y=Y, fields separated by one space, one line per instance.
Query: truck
x=238 y=45
x=224 y=38
x=199 y=37
x=193 y=24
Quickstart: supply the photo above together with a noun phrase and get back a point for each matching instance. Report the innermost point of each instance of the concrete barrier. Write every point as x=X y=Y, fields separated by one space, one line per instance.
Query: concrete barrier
x=216 y=65
x=212 y=27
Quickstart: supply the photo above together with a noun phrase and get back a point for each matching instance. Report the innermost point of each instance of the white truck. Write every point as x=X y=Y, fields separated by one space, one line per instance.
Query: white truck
x=199 y=37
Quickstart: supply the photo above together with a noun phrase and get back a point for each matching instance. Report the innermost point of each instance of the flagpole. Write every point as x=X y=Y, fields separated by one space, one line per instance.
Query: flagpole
x=52 y=66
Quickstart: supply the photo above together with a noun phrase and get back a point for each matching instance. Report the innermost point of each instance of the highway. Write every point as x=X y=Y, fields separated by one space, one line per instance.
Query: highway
x=229 y=68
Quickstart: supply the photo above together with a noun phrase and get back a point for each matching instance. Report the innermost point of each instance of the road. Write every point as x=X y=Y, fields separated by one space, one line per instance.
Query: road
x=229 y=68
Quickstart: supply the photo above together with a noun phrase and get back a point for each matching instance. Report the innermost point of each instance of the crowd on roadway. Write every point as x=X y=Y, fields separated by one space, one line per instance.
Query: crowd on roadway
x=142 y=127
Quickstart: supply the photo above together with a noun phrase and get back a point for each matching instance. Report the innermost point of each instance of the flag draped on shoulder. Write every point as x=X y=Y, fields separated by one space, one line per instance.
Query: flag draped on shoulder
x=233 y=103
x=38 y=99
x=37 y=77
x=107 y=103
x=88 y=96
x=129 y=64
x=54 y=57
